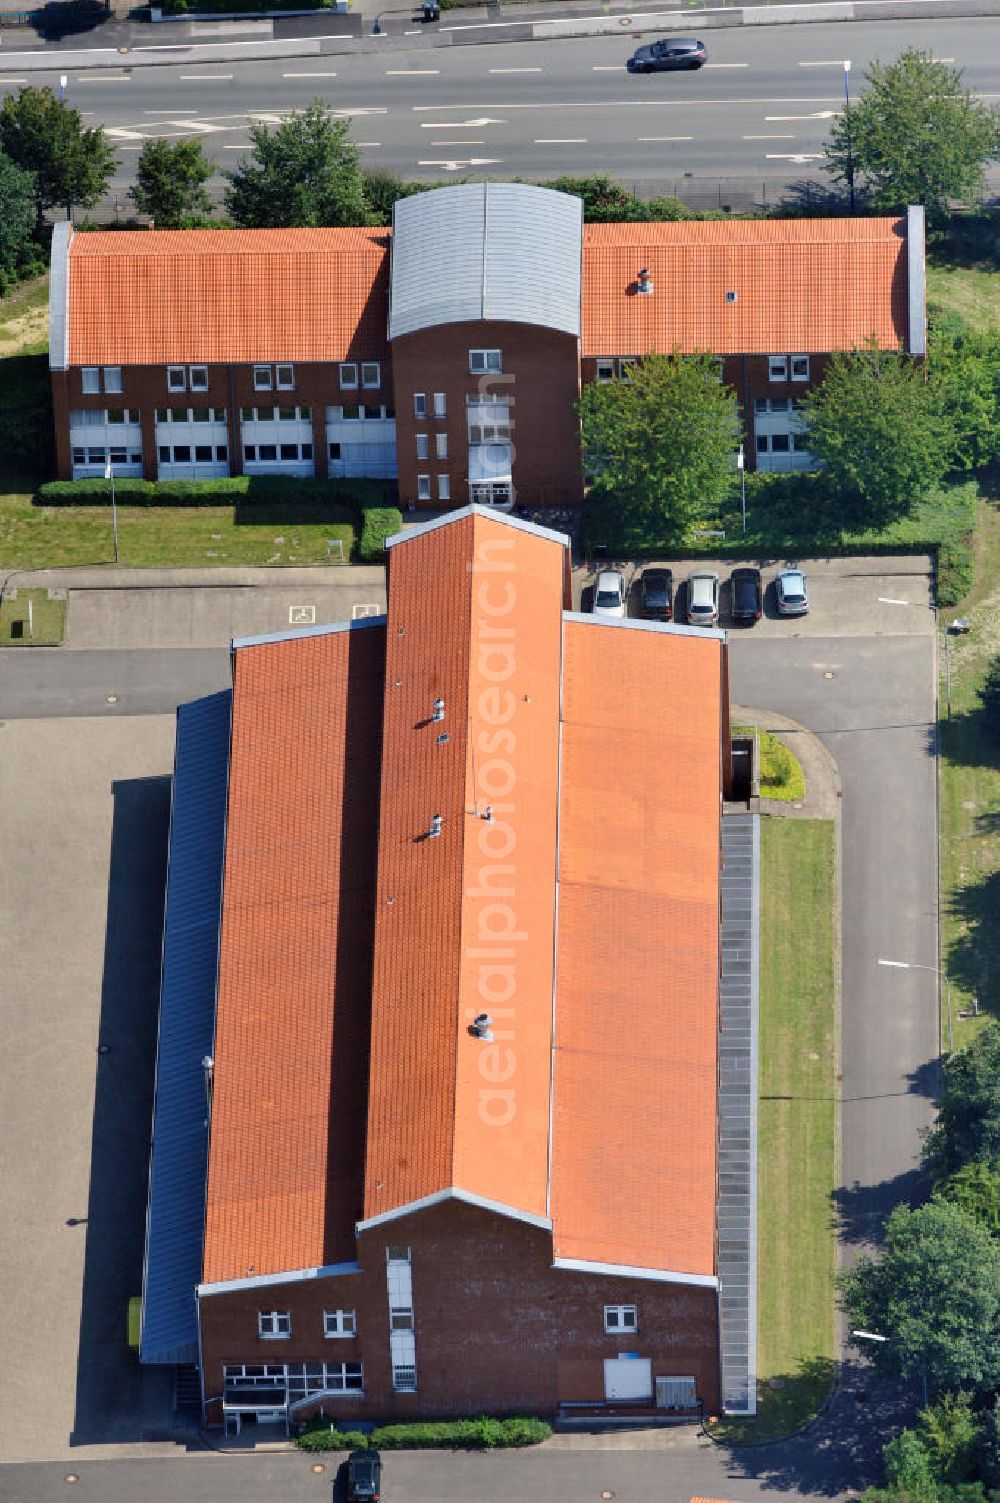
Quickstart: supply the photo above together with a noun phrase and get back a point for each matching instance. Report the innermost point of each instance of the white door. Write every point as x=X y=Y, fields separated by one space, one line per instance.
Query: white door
x=628 y=1378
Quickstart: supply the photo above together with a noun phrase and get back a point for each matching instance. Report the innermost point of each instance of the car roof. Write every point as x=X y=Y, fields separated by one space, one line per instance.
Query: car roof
x=704 y=574
x=681 y=42
x=792 y=574
x=368 y=1455
x=746 y=572
x=611 y=575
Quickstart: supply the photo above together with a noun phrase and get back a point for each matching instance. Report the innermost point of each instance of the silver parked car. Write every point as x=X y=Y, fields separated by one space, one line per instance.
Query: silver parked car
x=609 y=594
x=791 y=593
x=703 y=598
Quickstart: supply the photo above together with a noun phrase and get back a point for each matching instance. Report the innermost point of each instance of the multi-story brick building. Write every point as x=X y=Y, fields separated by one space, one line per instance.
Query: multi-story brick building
x=437 y=1118
x=447 y=355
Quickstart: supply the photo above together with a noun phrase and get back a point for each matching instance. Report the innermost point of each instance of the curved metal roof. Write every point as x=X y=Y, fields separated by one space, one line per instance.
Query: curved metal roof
x=501 y=251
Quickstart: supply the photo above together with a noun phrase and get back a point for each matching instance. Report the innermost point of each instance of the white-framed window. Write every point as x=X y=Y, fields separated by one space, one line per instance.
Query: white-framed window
x=284 y=377
x=440 y=404
x=605 y=370
x=800 y=367
x=198 y=377
x=176 y=378
x=262 y=378
x=423 y=487
x=340 y=1323
x=401 y=1320
x=274 y=1325
x=90 y=379
x=371 y=376
x=113 y=378
x=620 y=1318
x=423 y=451
x=483 y=362
x=396 y=1254
x=441 y=445
x=349 y=375
x=419 y=404
x=444 y=487
x=777 y=367
x=625 y=365
x=300 y=1378
x=345 y=1377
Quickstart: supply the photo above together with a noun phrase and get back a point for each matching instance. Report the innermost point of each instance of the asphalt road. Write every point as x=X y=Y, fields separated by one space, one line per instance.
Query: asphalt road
x=753 y=119
x=40 y=682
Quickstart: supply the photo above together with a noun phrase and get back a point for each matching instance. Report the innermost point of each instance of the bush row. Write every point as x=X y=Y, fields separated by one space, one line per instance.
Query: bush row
x=460 y=1435
x=353 y=495
x=377 y=524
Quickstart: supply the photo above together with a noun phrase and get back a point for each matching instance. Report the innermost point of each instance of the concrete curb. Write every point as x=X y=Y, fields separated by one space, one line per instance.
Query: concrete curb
x=535 y=28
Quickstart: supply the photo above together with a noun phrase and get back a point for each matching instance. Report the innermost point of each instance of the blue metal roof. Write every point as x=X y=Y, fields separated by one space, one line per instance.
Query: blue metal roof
x=179 y=1160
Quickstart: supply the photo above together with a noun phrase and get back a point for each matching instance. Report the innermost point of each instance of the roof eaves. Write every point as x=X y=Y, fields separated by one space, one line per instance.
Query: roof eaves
x=452 y=1193
x=665 y=628
x=420 y=529
x=628 y=1271
x=296 y=632
x=291 y=1276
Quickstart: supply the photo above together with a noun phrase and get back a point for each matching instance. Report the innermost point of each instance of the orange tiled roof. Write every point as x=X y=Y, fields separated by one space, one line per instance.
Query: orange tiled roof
x=227 y=295
x=802 y=285
x=447 y=1110
x=634 y=1109
x=290 y=1085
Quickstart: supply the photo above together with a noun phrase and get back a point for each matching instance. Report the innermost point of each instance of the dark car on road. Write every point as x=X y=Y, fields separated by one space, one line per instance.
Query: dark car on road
x=656 y=594
x=668 y=54
x=364 y=1477
x=746 y=596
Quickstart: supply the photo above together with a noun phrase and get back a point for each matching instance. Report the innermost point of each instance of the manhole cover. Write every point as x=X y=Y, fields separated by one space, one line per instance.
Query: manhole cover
x=111 y=699
x=317 y=1467
x=607 y=1493
x=828 y=674
x=71 y=1477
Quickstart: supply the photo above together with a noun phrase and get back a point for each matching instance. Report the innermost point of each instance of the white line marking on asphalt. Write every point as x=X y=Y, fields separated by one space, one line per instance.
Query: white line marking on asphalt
x=103 y=78
x=451 y=166
x=800 y=156
x=776 y=137
x=410 y=72
x=664 y=138
x=561 y=141
x=725 y=65
x=889 y=600
x=130 y=148
x=463 y=142
x=308 y=75
x=206 y=77
x=244 y=147
x=413 y=33
x=460 y=124
x=514 y=70
x=607 y=68
x=618 y=104
x=834 y=62
x=170 y=112
x=897 y=965
x=369 y=143
x=816 y=115
x=13 y=81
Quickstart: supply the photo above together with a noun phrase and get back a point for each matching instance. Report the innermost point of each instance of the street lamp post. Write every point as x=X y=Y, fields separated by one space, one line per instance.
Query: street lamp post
x=109 y=474
x=847 y=117
x=741 y=466
x=912 y=965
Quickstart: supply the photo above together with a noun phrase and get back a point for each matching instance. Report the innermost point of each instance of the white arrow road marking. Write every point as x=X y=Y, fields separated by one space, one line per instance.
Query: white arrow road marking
x=460 y=124
x=448 y=166
x=816 y=115
x=121 y=134
x=774 y=156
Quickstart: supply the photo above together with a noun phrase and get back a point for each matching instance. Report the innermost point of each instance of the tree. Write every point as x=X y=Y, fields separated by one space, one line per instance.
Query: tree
x=384 y=188
x=606 y=201
x=989 y=695
x=964 y=369
x=907 y=1466
x=914 y=136
x=975 y=1189
x=71 y=164
x=935 y=1294
x=877 y=428
x=17 y=220
x=304 y=172
x=170 y=183
x=659 y=447
x=968 y=1122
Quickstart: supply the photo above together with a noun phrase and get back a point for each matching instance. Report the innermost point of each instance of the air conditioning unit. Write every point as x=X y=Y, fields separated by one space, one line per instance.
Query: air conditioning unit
x=676 y=1394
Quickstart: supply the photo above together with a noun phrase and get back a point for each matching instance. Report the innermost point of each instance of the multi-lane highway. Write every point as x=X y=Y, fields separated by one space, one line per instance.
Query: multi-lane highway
x=754 y=119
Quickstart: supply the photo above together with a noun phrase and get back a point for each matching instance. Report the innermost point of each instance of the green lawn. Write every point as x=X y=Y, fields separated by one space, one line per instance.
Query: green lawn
x=781 y=774
x=798 y=1095
x=45 y=625
x=973 y=294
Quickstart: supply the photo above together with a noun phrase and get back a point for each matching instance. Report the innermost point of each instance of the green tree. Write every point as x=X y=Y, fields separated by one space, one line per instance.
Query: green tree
x=170 y=183
x=304 y=172
x=914 y=136
x=949 y=1433
x=935 y=1293
x=907 y=1465
x=71 y=163
x=606 y=201
x=964 y=367
x=975 y=1188
x=383 y=188
x=968 y=1121
x=660 y=446
x=17 y=221
x=876 y=426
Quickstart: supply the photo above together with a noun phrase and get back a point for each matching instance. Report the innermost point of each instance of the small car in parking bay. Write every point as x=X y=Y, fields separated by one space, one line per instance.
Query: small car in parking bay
x=703 y=598
x=656 y=594
x=791 y=593
x=746 y=596
x=669 y=54
x=364 y=1477
x=609 y=594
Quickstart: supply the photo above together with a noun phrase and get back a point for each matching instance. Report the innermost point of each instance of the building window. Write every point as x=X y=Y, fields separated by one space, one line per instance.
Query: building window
x=349 y=376
x=340 y=1323
x=198 y=377
x=800 y=367
x=345 y=1377
x=90 y=377
x=444 y=488
x=423 y=487
x=441 y=445
x=422 y=448
x=262 y=378
x=284 y=376
x=605 y=370
x=113 y=378
x=400 y=1320
x=163 y=451
x=182 y=453
x=777 y=367
x=250 y=453
x=176 y=378
x=482 y=362
x=625 y=365
x=619 y=1318
x=371 y=376
x=268 y=453
x=394 y=1254
x=274 y=1325
x=222 y=453
x=334 y=451
x=419 y=404
x=203 y=453
x=440 y=405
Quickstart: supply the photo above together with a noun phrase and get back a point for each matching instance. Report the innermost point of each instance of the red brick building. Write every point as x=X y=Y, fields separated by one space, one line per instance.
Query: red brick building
x=447 y=355
x=442 y=948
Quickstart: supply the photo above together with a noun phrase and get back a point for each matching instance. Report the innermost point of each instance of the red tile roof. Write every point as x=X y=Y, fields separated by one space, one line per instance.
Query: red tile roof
x=164 y=296
x=807 y=285
x=634 y=1109
x=290 y=1085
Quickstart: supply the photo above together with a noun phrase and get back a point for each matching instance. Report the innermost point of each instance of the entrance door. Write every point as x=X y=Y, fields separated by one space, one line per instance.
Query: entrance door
x=628 y=1379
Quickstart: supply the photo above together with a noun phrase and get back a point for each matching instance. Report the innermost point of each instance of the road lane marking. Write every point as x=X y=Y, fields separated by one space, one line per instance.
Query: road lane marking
x=460 y=124
x=514 y=70
x=206 y=77
x=368 y=143
x=561 y=141
x=7 y=80
x=801 y=156
x=816 y=115
x=308 y=75
x=775 y=137
x=449 y=142
x=664 y=138
x=103 y=78
x=410 y=72
x=725 y=65
x=449 y=165
x=834 y=62
x=170 y=112
x=607 y=67
x=618 y=104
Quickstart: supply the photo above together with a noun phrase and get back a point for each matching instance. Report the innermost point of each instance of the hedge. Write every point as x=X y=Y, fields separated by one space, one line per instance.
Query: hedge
x=458 y=1435
x=254 y=490
x=377 y=524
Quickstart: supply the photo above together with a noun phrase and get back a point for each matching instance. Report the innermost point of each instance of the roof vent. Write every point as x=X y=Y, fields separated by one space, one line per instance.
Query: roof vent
x=438 y=710
x=435 y=826
x=482 y=1027
x=731 y=297
x=644 y=282
x=487 y=814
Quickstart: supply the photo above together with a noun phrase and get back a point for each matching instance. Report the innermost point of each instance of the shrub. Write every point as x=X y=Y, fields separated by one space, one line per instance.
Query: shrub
x=323 y=1438
x=377 y=524
x=350 y=496
x=95 y=492
x=989 y=695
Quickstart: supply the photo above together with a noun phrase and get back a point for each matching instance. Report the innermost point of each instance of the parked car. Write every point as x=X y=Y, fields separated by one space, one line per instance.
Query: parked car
x=364 y=1477
x=609 y=594
x=791 y=593
x=667 y=54
x=656 y=594
x=746 y=596
x=703 y=598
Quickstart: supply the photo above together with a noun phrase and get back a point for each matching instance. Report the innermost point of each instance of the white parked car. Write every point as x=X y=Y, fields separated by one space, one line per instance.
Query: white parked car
x=609 y=594
x=791 y=593
x=703 y=598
